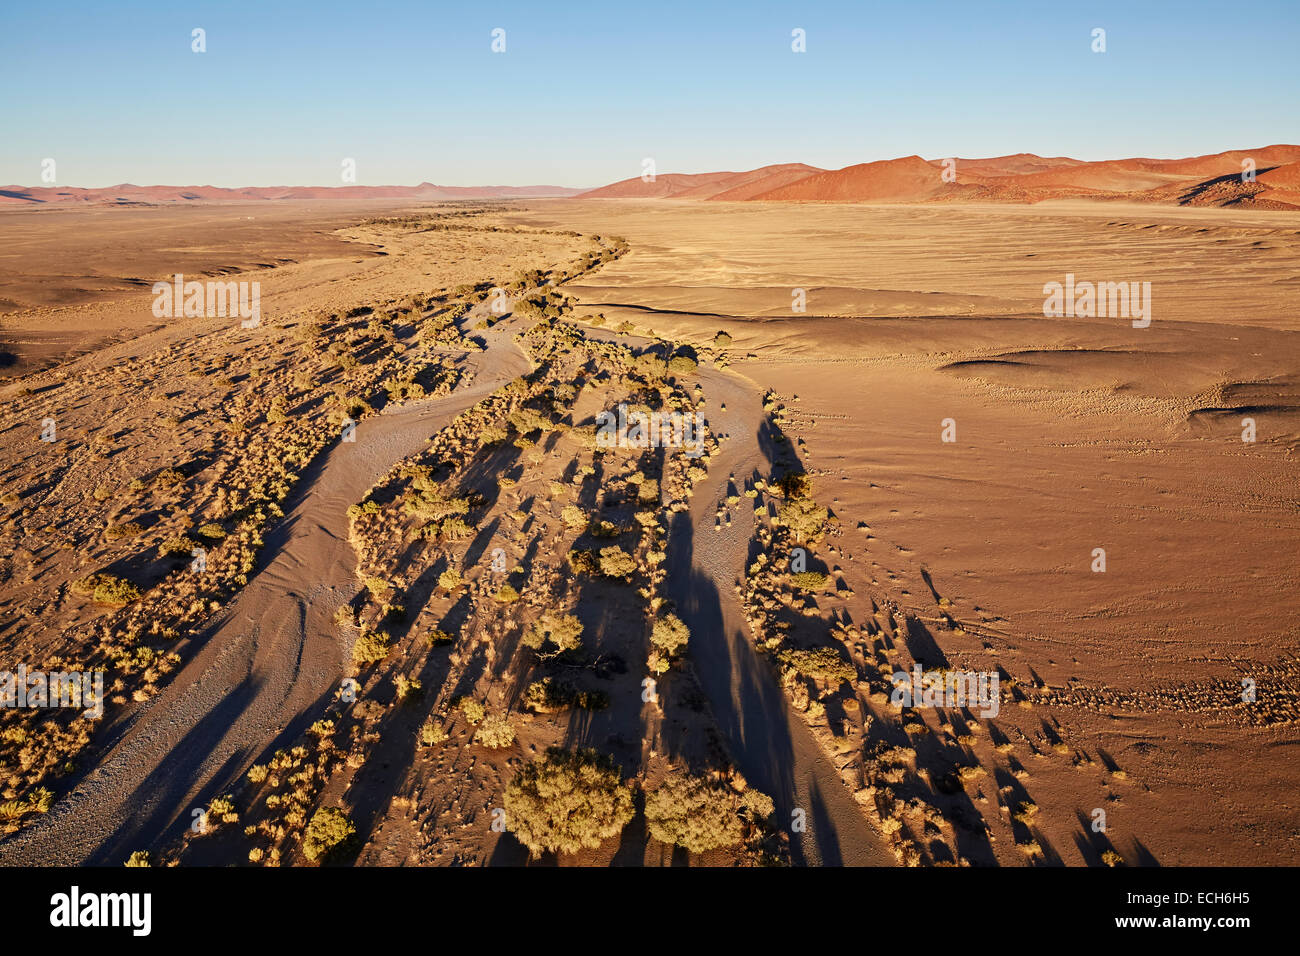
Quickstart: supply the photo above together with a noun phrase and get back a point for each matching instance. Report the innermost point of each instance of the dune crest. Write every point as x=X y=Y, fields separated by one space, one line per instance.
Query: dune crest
x=1263 y=178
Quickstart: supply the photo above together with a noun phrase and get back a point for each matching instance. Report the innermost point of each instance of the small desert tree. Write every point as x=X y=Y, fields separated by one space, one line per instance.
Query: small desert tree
x=669 y=638
x=328 y=830
x=567 y=801
x=554 y=633
x=616 y=563
x=693 y=813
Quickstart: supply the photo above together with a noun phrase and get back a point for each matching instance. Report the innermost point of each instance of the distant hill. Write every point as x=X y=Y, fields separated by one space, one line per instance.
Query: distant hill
x=127 y=193
x=732 y=186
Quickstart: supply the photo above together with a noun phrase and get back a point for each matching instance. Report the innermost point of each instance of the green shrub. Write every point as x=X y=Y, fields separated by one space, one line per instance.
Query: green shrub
x=549 y=694
x=408 y=688
x=178 y=544
x=670 y=635
x=616 y=563
x=432 y=733
x=554 y=633
x=371 y=648
x=107 y=589
x=495 y=732
x=808 y=580
x=329 y=831
x=692 y=813
x=127 y=529
x=804 y=517
x=566 y=802
x=473 y=710
x=222 y=810
x=823 y=663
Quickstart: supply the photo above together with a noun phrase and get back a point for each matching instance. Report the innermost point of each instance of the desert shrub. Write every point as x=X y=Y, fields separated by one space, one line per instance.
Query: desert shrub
x=567 y=801
x=507 y=594
x=682 y=364
x=528 y=420
x=808 y=580
x=604 y=529
x=138 y=858
x=450 y=579
x=651 y=366
x=1024 y=811
x=493 y=434
x=692 y=813
x=583 y=562
x=616 y=563
x=179 y=545
x=258 y=773
x=371 y=648
x=757 y=806
x=428 y=499
x=722 y=339
x=308 y=331
x=107 y=589
x=496 y=732
x=549 y=694
x=432 y=733
x=408 y=688
x=473 y=710
x=804 y=517
x=454 y=528
x=127 y=529
x=222 y=810
x=437 y=637
x=212 y=531
x=554 y=633
x=823 y=663
x=670 y=635
x=169 y=477
x=573 y=516
x=329 y=831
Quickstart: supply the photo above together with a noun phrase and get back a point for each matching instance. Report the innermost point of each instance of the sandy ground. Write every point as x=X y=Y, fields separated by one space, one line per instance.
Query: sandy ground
x=1123 y=687
x=1072 y=434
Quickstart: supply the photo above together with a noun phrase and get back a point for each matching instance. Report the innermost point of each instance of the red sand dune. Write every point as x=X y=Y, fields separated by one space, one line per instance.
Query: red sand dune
x=893 y=180
x=668 y=186
x=741 y=186
x=1015 y=164
x=1020 y=177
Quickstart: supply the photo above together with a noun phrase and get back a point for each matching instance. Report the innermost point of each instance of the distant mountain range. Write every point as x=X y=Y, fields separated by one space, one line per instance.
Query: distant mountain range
x=1214 y=180
x=127 y=194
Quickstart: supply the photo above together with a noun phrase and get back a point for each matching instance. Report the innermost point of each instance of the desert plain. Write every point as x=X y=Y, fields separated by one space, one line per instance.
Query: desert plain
x=394 y=625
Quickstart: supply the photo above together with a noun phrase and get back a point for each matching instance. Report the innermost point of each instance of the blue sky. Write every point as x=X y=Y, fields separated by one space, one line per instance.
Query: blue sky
x=585 y=91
